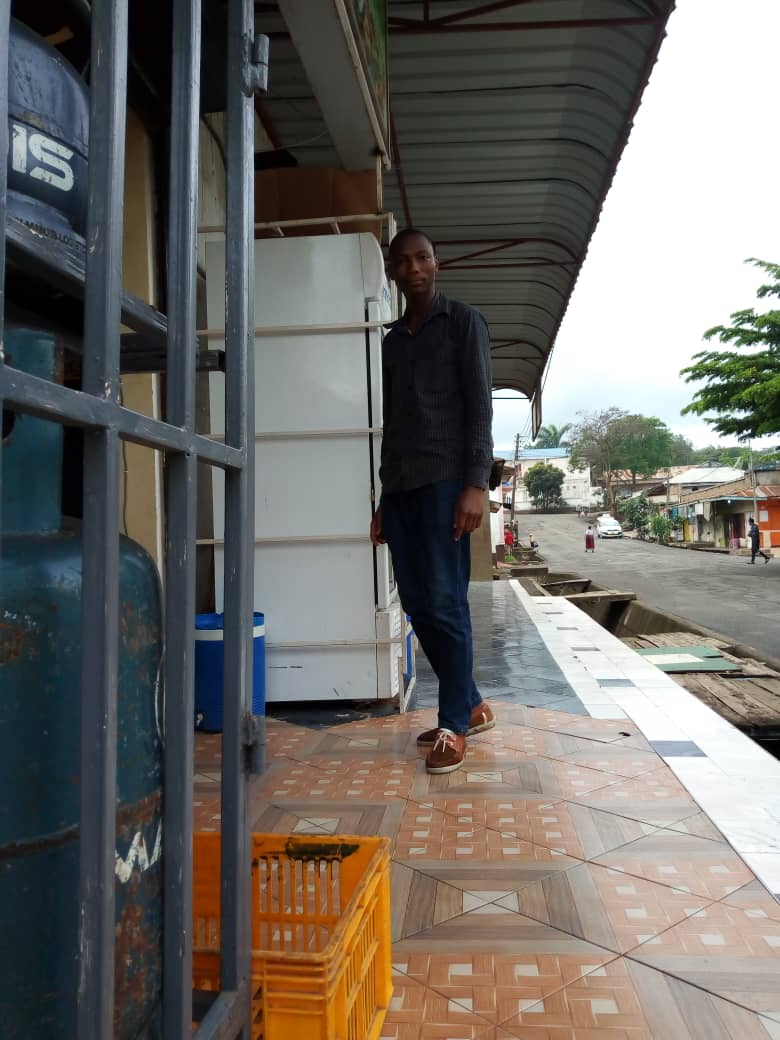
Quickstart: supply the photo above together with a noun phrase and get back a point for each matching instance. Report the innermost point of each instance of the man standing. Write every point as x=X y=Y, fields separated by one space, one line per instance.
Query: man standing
x=437 y=452
x=754 y=542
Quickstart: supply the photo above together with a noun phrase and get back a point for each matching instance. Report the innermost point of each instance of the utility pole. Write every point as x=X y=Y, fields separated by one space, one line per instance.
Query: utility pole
x=514 y=480
x=752 y=480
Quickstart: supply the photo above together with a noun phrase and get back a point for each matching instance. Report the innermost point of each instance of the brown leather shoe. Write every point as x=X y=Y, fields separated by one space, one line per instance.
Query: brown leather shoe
x=482 y=718
x=447 y=753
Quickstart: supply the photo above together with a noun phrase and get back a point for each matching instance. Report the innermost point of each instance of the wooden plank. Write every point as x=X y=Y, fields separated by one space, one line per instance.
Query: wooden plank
x=739 y=699
x=693 y=685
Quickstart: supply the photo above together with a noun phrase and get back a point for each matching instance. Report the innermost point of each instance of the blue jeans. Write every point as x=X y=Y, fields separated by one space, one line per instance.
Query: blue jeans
x=432 y=571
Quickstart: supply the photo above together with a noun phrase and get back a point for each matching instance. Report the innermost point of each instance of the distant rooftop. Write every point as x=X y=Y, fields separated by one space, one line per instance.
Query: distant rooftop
x=545 y=453
x=708 y=475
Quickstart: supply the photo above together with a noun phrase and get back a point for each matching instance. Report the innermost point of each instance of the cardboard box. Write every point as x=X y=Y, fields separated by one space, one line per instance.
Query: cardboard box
x=307 y=192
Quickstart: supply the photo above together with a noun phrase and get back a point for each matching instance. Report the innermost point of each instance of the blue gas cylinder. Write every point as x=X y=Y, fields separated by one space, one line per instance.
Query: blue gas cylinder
x=40 y=666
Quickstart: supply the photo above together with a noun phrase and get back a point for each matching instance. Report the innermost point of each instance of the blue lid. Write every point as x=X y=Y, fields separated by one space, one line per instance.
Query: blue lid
x=213 y=622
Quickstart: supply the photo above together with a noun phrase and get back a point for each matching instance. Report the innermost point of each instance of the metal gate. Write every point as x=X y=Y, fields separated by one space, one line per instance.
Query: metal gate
x=96 y=408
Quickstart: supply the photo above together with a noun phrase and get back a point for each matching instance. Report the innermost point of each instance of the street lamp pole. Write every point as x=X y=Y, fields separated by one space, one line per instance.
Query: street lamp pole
x=514 y=481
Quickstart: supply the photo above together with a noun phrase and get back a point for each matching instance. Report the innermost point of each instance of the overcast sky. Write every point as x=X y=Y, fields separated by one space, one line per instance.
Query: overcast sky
x=696 y=193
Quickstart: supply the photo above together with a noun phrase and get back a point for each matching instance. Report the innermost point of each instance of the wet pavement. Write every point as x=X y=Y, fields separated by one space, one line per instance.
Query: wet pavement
x=564 y=884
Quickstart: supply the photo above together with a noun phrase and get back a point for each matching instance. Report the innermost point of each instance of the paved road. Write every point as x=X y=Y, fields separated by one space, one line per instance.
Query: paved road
x=718 y=591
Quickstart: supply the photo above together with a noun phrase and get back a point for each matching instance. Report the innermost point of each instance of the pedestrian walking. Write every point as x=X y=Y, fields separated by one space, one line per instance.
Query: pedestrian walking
x=437 y=453
x=509 y=539
x=754 y=536
x=590 y=540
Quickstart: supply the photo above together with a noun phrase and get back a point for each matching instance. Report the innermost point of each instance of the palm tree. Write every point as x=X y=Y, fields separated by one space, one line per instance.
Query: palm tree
x=552 y=436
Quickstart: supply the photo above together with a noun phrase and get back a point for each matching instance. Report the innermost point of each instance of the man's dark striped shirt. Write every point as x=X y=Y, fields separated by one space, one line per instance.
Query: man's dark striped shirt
x=437 y=405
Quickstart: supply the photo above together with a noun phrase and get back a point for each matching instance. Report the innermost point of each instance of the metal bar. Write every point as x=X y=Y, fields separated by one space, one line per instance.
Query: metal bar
x=61 y=264
x=476 y=12
x=100 y=568
x=299 y=330
x=181 y=511
x=428 y=28
x=274 y=225
x=346 y=643
x=296 y=539
x=35 y=396
x=225 y=1018
x=239 y=513
x=286 y=435
x=5 y=21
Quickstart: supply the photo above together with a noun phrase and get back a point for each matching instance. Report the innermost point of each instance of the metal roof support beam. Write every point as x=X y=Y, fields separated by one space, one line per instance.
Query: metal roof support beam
x=399 y=172
x=512 y=264
x=507 y=244
x=504 y=344
x=419 y=28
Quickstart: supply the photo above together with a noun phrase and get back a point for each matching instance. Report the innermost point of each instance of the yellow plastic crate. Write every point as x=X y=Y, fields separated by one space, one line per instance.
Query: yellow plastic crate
x=321 y=966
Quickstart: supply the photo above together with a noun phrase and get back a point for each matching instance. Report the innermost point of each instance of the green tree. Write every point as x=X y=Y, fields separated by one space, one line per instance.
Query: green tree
x=544 y=485
x=661 y=526
x=637 y=512
x=742 y=386
x=552 y=436
x=643 y=445
x=683 y=451
x=595 y=443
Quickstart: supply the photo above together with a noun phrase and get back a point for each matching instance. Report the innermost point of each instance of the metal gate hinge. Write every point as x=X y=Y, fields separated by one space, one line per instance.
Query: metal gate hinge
x=253 y=740
x=256 y=68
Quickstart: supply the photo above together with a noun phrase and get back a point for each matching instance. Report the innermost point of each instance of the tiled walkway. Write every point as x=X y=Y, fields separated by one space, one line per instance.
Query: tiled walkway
x=563 y=885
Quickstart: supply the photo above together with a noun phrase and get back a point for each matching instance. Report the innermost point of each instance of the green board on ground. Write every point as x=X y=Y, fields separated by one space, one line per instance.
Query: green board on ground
x=689 y=659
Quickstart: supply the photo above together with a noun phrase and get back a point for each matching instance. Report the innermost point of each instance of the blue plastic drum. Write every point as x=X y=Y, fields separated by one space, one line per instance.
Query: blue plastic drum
x=209 y=669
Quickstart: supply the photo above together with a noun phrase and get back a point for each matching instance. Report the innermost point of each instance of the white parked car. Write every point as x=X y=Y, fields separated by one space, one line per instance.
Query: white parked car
x=608 y=527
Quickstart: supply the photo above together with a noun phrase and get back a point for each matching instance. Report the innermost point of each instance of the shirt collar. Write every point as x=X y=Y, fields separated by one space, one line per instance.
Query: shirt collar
x=439 y=305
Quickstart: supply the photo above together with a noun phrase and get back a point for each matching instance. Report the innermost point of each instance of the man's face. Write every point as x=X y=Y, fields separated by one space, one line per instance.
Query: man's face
x=413 y=266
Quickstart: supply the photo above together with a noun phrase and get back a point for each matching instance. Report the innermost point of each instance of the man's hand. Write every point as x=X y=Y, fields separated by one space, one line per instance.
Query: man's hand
x=468 y=511
x=377 y=538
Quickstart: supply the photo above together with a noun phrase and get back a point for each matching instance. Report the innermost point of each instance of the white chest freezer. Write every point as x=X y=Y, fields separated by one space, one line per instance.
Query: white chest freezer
x=334 y=626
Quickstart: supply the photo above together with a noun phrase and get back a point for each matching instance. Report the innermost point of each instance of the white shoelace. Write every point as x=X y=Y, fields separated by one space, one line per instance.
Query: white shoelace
x=444 y=738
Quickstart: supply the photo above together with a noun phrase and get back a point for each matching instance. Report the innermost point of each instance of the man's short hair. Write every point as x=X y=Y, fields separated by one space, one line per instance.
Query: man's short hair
x=408 y=232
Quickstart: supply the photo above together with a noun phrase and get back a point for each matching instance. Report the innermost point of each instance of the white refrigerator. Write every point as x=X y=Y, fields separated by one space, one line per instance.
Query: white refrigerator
x=334 y=625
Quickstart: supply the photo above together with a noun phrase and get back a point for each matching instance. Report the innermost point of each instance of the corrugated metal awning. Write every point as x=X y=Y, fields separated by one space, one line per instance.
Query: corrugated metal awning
x=508 y=121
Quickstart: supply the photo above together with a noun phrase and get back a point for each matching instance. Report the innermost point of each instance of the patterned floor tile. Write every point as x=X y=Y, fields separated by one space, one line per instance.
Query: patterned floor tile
x=700 y=825
x=353 y=817
x=621 y=760
x=400 y=743
x=417 y=1012
x=427 y=834
x=535 y=741
x=606 y=730
x=521 y=864
x=628 y=1001
x=418 y=901
x=494 y=963
x=696 y=865
x=576 y=830
x=361 y=779
x=638 y=742
x=604 y=906
x=286 y=740
x=657 y=798
x=206 y=812
x=530 y=777
x=208 y=752
x=725 y=951
x=754 y=901
x=423 y=719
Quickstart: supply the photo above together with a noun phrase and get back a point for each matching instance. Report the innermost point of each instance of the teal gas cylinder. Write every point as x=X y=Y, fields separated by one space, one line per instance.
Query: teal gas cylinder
x=40 y=667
